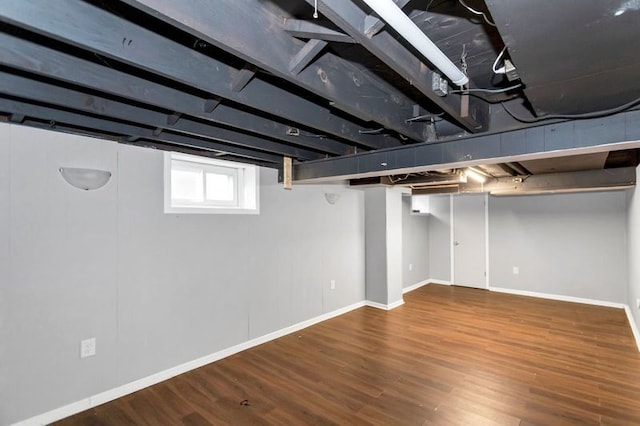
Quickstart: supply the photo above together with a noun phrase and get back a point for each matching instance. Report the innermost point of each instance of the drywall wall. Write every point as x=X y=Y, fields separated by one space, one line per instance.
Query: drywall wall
x=5 y=225
x=155 y=290
x=415 y=245
x=633 y=251
x=394 y=245
x=61 y=283
x=196 y=284
x=376 y=244
x=383 y=235
x=440 y=238
x=563 y=244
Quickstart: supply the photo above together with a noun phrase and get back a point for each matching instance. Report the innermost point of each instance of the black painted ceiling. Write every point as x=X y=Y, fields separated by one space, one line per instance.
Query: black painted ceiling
x=256 y=80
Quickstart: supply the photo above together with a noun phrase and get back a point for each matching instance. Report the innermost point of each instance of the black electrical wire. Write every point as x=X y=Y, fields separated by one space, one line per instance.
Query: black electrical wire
x=505 y=89
x=595 y=114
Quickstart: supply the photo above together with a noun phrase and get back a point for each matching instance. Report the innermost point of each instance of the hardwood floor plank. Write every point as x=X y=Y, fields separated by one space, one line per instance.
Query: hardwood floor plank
x=195 y=419
x=449 y=356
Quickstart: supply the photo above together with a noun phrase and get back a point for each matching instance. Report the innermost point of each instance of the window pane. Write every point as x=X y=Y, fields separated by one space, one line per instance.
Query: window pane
x=220 y=187
x=203 y=185
x=187 y=185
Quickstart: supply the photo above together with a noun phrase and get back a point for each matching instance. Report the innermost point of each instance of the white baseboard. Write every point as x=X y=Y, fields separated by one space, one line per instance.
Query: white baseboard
x=382 y=306
x=423 y=283
x=436 y=281
x=415 y=286
x=632 y=323
x=120 y=391
x=558 y=297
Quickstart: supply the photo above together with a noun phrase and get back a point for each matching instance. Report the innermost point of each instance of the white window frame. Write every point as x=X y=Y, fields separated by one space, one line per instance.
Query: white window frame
x=246 y=186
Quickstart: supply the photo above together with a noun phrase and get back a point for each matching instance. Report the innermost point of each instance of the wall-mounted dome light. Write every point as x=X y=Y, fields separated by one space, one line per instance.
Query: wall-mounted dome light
x=86 y=179
x=331 y=197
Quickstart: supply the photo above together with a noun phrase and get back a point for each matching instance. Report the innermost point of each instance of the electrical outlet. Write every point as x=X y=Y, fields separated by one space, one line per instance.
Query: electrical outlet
x=88 y=347
x=411 y=266
x=638 y=303
x=333 y=284
x=516 y=270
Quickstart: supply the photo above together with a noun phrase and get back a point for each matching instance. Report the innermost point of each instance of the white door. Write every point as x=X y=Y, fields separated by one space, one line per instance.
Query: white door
x=469 y=240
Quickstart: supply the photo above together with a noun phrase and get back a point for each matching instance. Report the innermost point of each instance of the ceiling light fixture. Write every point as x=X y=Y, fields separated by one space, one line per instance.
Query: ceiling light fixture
x=86 y=179
x=399 y=21
x=475 y=175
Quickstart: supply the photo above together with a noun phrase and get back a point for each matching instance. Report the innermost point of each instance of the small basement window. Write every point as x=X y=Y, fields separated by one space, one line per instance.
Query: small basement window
x=202 y=185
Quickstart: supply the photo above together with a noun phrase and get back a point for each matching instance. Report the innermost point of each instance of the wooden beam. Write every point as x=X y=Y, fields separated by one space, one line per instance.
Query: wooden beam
x=306 y=55
x=351 y=19
x=266 y=44
x=313 y=30
x=17 y=53
x=16 y=118
x=211 y=104
x=22 y=87
x=172 y=119
x=103 y=33
x=93 y=124
x=286 y=172
x=242 y=77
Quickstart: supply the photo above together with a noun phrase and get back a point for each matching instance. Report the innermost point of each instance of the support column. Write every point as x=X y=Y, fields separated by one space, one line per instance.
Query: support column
x=383 y=239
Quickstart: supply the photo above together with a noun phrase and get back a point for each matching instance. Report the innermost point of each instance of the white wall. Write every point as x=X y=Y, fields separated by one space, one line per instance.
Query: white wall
x=155 y=290
x=633 y=251
x=5 y=248
x=563 y=244
x=415 y=245
x=376 y=244
x=383 y=236
x=60 y=284
x=440 y=238
x=394 y=245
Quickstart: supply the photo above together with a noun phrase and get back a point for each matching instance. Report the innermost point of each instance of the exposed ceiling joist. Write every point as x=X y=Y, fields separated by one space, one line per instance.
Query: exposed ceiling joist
x=106 y=34
x=17 y=54
x=255 y=80
x=201 y=152
x=226 y=136
x=471 y=114
x=57 y=117
x=343 y=84
x=615 y=132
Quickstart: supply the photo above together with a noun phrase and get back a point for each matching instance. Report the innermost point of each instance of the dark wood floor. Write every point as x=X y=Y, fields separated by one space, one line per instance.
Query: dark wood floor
x=449 y=356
